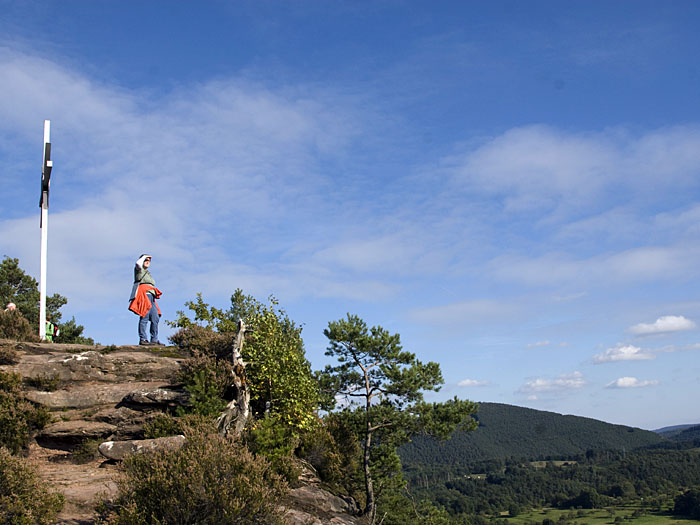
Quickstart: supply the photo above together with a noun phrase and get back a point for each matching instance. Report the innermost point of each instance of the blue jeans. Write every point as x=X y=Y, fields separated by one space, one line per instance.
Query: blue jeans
x=153 y=317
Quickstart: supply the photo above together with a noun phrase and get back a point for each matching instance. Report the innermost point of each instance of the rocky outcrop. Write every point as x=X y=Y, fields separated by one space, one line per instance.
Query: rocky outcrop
x=109 y=394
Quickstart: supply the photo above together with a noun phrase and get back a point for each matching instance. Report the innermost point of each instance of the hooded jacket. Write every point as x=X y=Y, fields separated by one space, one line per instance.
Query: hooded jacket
x=141 y=276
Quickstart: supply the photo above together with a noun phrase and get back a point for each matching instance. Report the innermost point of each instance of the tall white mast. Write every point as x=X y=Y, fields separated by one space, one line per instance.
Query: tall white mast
x=44 y=203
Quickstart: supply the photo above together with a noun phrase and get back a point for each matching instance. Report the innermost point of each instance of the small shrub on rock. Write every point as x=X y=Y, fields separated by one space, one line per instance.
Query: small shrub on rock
x=201 y=341
x=163 y=425
x=210 y=480
x=19 y=419
x=8 y=354
x=24 y=498
x=13 y=325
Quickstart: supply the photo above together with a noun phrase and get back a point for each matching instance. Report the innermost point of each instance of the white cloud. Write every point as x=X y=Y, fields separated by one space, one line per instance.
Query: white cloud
x=623 y=352
x=538 y=344
x=542 y=168
x=563 y=382
x=667 y=323
x=630 y=382
x=472 y=382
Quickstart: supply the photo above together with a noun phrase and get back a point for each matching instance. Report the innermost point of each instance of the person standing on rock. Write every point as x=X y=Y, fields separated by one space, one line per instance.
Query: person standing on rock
x=143 y=301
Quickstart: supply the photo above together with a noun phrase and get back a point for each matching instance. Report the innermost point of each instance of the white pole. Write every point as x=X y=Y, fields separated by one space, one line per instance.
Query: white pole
x=44 y=239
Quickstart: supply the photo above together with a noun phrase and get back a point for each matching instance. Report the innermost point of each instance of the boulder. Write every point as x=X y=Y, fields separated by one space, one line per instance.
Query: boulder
x=156 y=396
x=118 y=450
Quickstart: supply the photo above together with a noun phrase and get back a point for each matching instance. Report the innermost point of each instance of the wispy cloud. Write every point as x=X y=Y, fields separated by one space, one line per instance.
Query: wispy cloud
x=466 y=312
x=538 y=344
x=665 y=324
x=623 y=352
x=631 y=382
x=472 y=382
x=564 y=382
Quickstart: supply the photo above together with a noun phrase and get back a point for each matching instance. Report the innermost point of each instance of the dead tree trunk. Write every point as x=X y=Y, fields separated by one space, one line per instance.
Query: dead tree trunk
x=233 y=419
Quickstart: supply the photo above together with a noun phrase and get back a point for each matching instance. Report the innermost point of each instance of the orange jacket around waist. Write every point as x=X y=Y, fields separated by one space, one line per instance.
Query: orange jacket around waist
x=141 y=303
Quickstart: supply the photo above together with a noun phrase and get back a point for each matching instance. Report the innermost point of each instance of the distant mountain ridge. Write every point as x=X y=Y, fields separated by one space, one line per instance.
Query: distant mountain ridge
x=675 y=430
x=508 y=431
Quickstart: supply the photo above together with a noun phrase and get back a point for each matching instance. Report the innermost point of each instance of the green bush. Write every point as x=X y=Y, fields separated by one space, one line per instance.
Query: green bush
x=270 y=438
x=331 y=447
x=19 y=419
x=24 y=498
x=13 y=325
x=86 y=451
x=201 y=341
x=210 y=480
x=206 y=379
x=163 y=425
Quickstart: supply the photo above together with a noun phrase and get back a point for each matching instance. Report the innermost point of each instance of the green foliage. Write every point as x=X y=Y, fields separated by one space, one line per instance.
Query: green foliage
x=23 y=290
x=13 y=325
x=86 y=452
x=383 y=387
x=332 y=448
x=688 y=504
x=278 y=373
x=210 y=480
x=275 y=441
x=72 y=332
x=24 y=498
x=206 y=379
x=19 y=419
x=163 y=425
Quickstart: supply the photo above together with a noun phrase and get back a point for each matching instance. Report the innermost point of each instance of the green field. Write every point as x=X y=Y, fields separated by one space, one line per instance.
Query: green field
x=599 y=517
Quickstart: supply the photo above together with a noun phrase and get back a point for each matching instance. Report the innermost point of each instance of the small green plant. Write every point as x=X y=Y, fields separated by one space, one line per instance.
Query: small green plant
x=86 y=452
x=45 y=382
x=24 y=498
x=209 y=480
x=19 y=419
x=163 y=425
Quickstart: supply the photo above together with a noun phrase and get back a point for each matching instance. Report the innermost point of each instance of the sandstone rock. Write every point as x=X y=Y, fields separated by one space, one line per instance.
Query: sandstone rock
x=77 y=430
x=156 y=396
x=118 y=450
x=92 y=365
x=311 y=505
x=83 y=395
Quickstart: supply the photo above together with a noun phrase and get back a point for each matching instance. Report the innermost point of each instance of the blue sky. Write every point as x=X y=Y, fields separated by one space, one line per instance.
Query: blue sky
x=514 y=187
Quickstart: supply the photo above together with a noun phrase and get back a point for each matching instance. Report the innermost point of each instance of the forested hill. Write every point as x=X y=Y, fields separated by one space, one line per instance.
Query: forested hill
x=680 y=432
x=507 y=431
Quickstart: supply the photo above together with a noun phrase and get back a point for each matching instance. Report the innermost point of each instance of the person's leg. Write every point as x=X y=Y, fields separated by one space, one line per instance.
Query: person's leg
x=143 y=321
x=154 y=318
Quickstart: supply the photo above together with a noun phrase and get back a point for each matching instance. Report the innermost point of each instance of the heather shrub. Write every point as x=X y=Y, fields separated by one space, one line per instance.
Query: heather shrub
x=8 y=354
x=19 y=419
x=24 y=498
x=201 y=341
x=13 y=325
x=210 y=480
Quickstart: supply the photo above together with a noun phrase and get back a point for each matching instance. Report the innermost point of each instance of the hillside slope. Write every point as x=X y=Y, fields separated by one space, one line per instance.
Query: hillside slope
x=507 y=431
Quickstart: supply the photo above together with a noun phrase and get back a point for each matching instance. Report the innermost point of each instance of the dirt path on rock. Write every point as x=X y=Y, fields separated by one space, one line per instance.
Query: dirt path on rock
x=82 y=485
